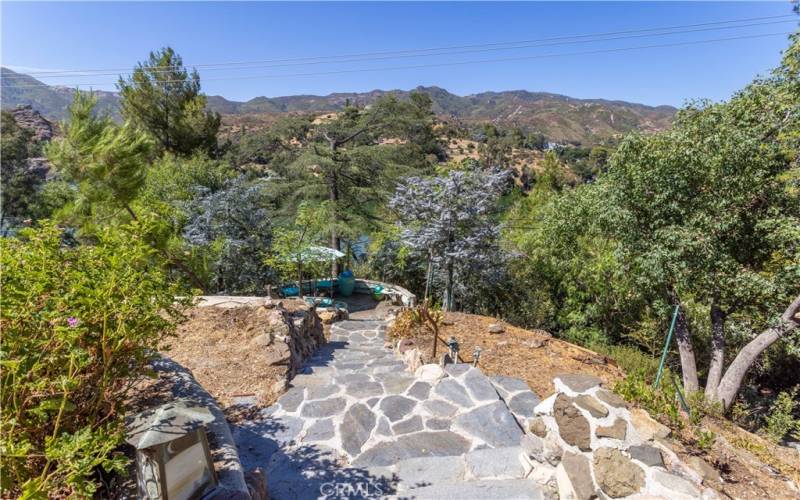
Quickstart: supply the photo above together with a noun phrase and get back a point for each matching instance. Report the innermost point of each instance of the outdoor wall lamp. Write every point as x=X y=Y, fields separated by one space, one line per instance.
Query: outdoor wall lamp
x=453 y=345
x=476 y=355
x=173 y=460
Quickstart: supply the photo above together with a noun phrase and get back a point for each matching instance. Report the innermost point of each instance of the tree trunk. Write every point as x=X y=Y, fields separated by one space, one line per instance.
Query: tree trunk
x=448 y=288
x=428 y=276
x=732 y=381
x=686 y=351
x=333 y=196
x=718 y=317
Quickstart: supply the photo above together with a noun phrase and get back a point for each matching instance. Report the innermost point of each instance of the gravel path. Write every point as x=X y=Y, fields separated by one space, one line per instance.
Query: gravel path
x=355 y=424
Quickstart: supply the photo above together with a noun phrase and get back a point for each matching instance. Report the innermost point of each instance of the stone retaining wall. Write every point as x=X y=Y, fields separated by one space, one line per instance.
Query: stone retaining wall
x=586 y=440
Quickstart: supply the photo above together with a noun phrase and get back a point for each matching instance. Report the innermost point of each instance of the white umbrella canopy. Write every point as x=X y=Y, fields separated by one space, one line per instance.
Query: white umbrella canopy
x=319 y=254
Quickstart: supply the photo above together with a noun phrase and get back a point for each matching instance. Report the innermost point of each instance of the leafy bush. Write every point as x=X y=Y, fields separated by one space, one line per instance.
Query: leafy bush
x=781 y=422
x=79 y=324
x=660 y=402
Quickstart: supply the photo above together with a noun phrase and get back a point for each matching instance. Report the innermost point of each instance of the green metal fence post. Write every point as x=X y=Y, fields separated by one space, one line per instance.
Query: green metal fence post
x=666 y=347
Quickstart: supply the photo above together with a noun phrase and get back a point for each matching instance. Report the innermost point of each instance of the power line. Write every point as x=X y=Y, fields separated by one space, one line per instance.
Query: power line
x=470 y=51
x=479 y=61
x=366 y=56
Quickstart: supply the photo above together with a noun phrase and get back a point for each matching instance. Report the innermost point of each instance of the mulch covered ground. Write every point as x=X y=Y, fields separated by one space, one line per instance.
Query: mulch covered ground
x=532 y=355
x=217 y=345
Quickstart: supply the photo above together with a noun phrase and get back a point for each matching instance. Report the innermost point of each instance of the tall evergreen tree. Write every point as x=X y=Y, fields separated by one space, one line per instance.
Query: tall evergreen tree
x=165 y=99
x=354 y=160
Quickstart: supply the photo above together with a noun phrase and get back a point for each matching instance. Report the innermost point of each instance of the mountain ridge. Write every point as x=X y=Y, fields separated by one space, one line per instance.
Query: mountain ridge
x=558 y=117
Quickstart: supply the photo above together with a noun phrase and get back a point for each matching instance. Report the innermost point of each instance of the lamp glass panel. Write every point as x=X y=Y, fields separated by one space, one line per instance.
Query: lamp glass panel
x=187 y=472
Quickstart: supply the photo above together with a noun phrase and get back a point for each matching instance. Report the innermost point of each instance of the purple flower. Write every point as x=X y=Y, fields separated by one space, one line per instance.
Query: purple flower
x=72 y=322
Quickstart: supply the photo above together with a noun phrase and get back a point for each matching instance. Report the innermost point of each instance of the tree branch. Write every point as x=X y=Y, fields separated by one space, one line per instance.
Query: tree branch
x=732 y=381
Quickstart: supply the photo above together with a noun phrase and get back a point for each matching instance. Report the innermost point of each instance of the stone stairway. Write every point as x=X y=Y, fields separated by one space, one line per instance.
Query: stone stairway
x=356 y=424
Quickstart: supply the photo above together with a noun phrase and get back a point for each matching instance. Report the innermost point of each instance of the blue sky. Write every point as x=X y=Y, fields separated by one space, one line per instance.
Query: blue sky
x=64 y=36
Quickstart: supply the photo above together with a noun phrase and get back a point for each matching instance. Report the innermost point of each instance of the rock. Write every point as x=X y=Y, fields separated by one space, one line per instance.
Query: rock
x=412 y=358
x=578 y=382
x=648 y=455
x=412 y=424
x=495 y=463
x=396 y=407
x=448 y=322
x=676 y=484
x=454 y=392
x=323 y=408
x=395 y=383
x=327 y=316
x=256 y=484
x=592 y=405
x=508 y=385
x=708 y=472
x=647 y=428
x=279 y=386
x=565 y=490
x=321 y=391
x=429 y=373
x=439 y=408
x=419 y=390
x=438 y=424
x=278 y=354
x=617 y=430
x=572 y=426
x=537 y=343
x=616 y=475
x=496 y=328
x=492 y=423
x=383 y=429
x=456 y=369
x=537 y=427
x=611 y=399
x=263 y=340
x=27 y=117
x=321 y=430
x=522 y=404
x=365 y=389
x=417 y=444
x=518 y=489
x=578 y=471
x=422 y=471
x=356 y=428
x=292 y=399
x=538 y=450
x=479 y=386
x=405 y=344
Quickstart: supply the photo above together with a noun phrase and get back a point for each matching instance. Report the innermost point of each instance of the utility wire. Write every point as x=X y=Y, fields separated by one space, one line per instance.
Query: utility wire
x=366 y=56
x=462 y=63
x=470 y=51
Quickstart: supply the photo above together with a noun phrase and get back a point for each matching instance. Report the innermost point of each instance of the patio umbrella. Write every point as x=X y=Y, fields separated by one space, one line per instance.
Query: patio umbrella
x=319 y=254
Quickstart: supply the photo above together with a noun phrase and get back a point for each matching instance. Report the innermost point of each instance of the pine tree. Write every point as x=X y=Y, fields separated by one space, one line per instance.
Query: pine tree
x=163 y=98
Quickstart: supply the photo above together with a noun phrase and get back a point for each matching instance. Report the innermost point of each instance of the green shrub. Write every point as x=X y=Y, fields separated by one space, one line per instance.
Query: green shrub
x=781 y=422
x=660 y=403
x=79 y=324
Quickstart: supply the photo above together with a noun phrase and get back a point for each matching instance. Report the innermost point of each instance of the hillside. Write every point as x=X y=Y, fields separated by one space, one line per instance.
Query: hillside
x=560 y=118
x=50 y=101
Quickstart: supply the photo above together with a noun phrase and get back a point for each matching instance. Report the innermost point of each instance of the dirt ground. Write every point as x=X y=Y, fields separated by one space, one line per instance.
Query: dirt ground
x=216 y=344
x=533 y=356
x=749 y=465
